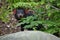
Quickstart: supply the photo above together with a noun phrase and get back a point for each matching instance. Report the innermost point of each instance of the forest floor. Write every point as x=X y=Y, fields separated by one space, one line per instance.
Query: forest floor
x=7 y=28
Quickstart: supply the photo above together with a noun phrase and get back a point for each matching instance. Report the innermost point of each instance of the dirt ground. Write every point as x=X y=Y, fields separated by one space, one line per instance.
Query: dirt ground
x=7 y=28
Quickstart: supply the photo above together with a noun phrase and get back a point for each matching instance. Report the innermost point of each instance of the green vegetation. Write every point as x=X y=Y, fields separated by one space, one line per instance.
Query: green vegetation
x=47 y=13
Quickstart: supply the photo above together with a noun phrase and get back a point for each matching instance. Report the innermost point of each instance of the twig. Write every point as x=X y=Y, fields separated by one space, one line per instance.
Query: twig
x=55 y=7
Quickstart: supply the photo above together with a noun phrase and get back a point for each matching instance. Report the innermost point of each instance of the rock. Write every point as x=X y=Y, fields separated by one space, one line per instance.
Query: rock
x=29 y=35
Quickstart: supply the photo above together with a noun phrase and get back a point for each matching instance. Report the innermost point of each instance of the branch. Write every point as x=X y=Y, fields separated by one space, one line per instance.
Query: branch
x=55 y=7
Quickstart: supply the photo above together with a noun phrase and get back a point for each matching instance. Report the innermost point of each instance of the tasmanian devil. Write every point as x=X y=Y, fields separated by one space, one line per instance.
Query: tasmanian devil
x=19 y=13
x=22 y=12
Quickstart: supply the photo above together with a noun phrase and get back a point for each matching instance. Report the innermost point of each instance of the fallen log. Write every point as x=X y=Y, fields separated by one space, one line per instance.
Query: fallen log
x=29 y=35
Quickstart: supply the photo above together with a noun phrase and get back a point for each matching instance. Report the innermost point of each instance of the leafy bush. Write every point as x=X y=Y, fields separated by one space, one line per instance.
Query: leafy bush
x=47 y=13
x=4 y=12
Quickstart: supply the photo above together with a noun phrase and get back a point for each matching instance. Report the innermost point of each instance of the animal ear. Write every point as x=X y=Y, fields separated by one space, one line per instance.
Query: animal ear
x=14 y=11
x=26 y=11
